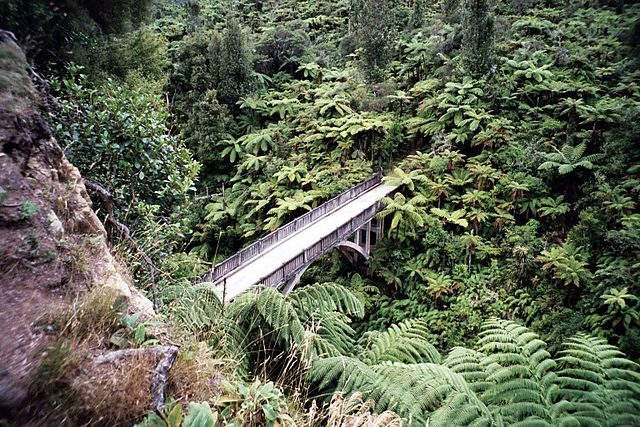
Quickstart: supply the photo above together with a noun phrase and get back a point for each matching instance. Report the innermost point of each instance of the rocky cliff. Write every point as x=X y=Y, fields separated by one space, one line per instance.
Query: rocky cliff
x=52 y=245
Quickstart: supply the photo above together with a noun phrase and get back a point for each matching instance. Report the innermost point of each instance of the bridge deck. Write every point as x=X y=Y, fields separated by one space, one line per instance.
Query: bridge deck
x=269 y=261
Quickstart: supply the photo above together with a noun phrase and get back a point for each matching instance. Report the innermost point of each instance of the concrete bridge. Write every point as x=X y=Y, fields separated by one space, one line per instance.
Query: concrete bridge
x=346 y=222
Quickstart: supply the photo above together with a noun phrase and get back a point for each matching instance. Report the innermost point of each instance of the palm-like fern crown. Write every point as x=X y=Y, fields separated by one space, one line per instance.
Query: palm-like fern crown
x=267 y=309
x=568 y=158
x=314 y=319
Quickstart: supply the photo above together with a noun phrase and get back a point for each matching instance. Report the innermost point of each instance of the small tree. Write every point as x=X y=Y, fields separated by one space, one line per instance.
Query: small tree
x=234 y=65
x=478 y=36
x=373 y=31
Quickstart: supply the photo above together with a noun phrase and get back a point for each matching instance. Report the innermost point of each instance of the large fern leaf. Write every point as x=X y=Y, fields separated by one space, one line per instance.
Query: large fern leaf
x=326 y=297
x=196 y=307
x=267 y=309
x=331 y=335
x=519 y=369
x=596 y=384
x=407 y=342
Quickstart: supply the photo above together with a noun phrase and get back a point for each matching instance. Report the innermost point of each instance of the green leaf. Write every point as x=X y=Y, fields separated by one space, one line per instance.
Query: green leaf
x=174 y=418
x=269 y=412
x=200 y=415
x=140 y=333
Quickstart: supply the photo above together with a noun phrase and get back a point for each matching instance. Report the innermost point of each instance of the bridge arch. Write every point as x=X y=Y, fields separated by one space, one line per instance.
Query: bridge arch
x=347 y=248
x=350 y=250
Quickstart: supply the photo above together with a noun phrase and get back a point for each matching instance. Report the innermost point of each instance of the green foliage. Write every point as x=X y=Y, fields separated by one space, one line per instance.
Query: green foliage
x=565 y=265
x=282 y=49
x=268 y=307
x=478 y=33
x=133 y=333
x=28 y=209
x=569 y=158
x=234 y=64
x=197 y=415
x=255 y=404
x=507 y=206
x=408 y=213
x=140 y=54
x=510 y=378
x=373 y=32
x=50 y=30
x=119 y=136
x=404 y=343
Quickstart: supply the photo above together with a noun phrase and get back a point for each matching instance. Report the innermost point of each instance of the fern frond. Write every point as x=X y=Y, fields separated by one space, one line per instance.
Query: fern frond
x=596 y=385
x=326 y=297
x=342 y=373
x=519 y=369
x=196 y=307
x=331 y=335
x=266 y=307
x=456 y=411
x=577 y=151
x=407 y=342
x=416 y=389
x=468 y=363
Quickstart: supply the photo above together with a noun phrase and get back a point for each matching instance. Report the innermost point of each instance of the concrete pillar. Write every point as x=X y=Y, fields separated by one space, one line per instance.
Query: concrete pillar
x=367 y=239
x=291 y=283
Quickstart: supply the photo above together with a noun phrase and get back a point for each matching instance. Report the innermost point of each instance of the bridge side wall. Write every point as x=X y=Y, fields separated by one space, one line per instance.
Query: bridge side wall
x=315 y=251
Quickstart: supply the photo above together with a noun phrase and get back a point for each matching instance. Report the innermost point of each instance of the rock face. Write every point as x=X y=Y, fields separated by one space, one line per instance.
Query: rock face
x=52 y=244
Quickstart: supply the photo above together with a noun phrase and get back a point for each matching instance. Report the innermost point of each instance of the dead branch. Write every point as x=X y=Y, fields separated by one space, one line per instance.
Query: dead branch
x=168 y=356
x=107 y=202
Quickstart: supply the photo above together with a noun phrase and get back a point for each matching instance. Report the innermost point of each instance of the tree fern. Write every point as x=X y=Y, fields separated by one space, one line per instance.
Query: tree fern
x=414 y=390
x=197 y=308
x=332 y=335
x=468 y=363
x=198 y=311
x=326 y=297
x=343 y=373
x=510 y=380
x=569 y=158
x=269 y=310
x=519 y=368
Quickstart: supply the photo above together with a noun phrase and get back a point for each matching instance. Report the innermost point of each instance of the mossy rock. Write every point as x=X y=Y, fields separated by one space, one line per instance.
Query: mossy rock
x=15 y=85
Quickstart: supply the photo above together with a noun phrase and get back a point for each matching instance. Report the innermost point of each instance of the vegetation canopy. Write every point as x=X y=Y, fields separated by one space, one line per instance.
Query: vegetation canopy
x=505 y=287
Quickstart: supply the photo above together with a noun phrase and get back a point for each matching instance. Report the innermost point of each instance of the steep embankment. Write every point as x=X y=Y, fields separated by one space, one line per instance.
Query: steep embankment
x=52 y=244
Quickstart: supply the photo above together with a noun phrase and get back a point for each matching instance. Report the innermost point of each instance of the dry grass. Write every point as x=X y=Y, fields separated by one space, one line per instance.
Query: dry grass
x=196 y=375
x=70 y=388
x=354 y=412
x=94 y=316
x=115 y=393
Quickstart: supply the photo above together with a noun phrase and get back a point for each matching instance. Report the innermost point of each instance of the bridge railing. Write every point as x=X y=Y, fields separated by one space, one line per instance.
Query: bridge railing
x=319 y=248
x=253 y=250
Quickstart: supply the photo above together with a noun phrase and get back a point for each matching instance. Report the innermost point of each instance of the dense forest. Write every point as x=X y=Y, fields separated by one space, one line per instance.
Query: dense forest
x=506 y=288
